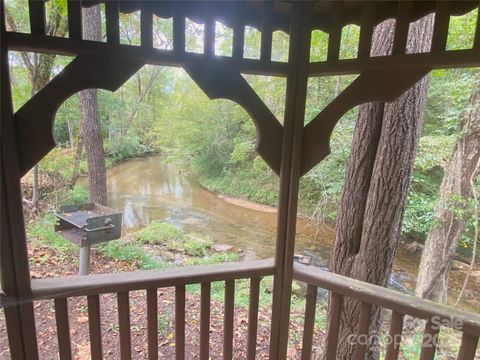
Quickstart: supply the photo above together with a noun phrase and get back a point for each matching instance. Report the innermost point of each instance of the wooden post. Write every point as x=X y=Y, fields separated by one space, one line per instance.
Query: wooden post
x=290 y=171
x=15 y=273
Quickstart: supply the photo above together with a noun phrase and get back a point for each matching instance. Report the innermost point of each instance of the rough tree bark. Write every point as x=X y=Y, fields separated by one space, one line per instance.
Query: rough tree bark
x=374 y=194
x=451 y=216
x=91 y=130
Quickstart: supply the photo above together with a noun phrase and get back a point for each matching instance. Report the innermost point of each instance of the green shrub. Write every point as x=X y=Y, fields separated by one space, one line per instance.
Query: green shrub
x=160 y=233
x=197 y=245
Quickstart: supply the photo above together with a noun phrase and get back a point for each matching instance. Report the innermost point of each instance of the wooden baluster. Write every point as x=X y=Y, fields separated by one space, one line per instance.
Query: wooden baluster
x=238 y=32
x=74 y=19
x=209 y=45
x=476 y=41
x=402 y=26
x=180 y=322
x=205 y=322
x=146 y=24
x=468 y=348
x=440 y=28
x=336 y=305
x=228 y=319
x=152 y=324
x=266 y=40
x=396 y=329
x=362 y=331
x=113 y=25
x=63 y=330
x=335 y=32
x=36 y=9
x=430 y=338
x=366 y=29
x=94 y=326
x=253 y=318
x=124 y=325
x=178 y=29
x=310 y=307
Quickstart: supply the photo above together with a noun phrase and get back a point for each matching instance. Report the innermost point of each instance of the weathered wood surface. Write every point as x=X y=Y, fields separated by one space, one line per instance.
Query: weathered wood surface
x=70 y=286
x=386 y=298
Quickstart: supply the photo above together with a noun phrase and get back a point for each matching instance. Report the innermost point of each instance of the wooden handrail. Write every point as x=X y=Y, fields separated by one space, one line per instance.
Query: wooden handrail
x=387 y=298
x=71 y=286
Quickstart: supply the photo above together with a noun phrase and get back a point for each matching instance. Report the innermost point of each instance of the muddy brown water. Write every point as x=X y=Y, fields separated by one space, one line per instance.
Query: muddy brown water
x=154 y=188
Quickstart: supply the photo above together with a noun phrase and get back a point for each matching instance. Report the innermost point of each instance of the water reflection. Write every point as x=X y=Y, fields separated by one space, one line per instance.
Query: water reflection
x=153 y=188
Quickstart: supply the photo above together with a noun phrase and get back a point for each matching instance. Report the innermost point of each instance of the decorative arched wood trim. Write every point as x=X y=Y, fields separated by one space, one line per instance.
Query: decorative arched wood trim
x=374 y=85
x=227 y=83
x=34 y=120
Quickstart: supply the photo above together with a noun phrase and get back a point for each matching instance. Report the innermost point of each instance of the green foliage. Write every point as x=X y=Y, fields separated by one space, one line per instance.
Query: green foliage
x=215 y=258
x=124 y=249
x=42 y=232
x=160 y=233
x=197 y=245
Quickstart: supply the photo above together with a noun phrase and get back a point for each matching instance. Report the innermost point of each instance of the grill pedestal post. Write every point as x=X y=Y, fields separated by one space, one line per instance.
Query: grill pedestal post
x=85 y=260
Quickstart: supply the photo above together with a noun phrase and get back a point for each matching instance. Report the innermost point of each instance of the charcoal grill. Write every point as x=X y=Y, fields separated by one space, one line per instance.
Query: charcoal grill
x=86 y=225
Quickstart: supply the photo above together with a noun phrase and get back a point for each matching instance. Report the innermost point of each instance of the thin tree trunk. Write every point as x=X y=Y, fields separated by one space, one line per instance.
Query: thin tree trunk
x=376 y=182
x=452 y=212
x=91 y=129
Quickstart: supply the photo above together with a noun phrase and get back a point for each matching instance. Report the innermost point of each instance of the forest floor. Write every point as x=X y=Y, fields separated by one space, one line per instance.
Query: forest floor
x=47 y=262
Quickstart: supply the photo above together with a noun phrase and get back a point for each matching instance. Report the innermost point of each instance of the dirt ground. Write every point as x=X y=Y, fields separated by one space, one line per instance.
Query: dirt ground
x=47 y=262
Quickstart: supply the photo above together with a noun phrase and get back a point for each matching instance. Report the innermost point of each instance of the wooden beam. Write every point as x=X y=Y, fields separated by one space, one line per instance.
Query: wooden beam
x=253 y=318
x=290 y=172
x=14 y=269
x=442 y=60
x=336 y=306
x=152 y=324
x=113 y=22
x=335 y=31
x=209 y=42
x=309 y=322
x=146 y=25
x=440 y=27
x=366 y=29
x=387 y=298
x=238 y=32
x=205 y=321
x=74 y=19
x=266 y=39
x=228 y=319
x=63 y=329
x=69 y=47
x=180 y=322
x=36 y=9
x=147 y=279
x=402 y=25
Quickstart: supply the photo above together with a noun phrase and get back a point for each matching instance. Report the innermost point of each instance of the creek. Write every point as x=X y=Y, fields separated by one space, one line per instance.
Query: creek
x=154 y=188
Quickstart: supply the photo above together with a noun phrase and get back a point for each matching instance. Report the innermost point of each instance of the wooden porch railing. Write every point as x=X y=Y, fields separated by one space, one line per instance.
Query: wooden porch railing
x=60 y=289
x=371 y=295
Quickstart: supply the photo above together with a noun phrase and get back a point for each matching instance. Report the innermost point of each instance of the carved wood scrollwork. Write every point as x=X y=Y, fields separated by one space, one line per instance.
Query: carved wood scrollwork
x=226 y=82
x=375 y=85
x=34 y=120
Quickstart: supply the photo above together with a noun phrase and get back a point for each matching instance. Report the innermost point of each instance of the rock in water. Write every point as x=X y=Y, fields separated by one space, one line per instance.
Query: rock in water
x=222 y=248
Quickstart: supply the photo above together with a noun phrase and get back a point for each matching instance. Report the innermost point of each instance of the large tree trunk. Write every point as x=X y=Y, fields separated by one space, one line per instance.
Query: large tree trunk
x=91 y=130
x=451 y=212
x=378 y=172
